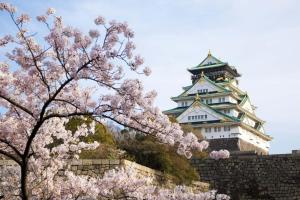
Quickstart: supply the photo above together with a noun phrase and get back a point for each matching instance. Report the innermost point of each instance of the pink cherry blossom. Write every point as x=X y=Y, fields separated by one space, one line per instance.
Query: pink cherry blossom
x=8 y=7
x=5 y=40
x=23 y=18
x=147 y=71
x=99 y=20
x=51 y=11
x=42 y=18
x=73 y=74
x=221 y=154
x=94 y=33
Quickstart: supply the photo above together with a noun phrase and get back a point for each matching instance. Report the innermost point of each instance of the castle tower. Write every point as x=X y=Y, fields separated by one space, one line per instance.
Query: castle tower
x=216 y=106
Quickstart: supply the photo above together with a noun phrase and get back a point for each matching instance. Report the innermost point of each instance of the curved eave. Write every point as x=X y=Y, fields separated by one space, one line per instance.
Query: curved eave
x=214 y=123
x=240 y=109
x=244 y=100
x=250 y=115
x=175 y=111
x=207 y=66
x=225 y=118
x=232 y=87
x=187 y=87
x=198 y=69
x=256 y=132
x=189 y=97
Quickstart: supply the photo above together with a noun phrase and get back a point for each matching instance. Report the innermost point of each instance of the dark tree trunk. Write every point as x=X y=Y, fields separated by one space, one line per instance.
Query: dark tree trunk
x=24 y=192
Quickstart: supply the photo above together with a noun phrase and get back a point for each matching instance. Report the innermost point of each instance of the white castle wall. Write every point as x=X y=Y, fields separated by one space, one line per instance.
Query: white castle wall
x=247 y=106
x=236 y=132
x=253 y=139
x=249 y=121
x=202 y=85
x=196 y=111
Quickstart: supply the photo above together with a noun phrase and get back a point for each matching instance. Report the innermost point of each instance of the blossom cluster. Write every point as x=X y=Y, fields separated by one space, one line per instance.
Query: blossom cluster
x=72 y=74
x=119 y=183
x=221 y=154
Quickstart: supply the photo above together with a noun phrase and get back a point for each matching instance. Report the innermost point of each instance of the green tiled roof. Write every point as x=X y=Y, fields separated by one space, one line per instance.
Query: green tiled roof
x=187 y=87
x=179 y=110
x=203 y=95
x=207 y=66
x=207 y=79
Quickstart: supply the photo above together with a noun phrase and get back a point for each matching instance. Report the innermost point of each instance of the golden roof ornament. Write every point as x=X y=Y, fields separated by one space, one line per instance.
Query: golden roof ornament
x=209 y=53
x=202 y=73
x=197 y=97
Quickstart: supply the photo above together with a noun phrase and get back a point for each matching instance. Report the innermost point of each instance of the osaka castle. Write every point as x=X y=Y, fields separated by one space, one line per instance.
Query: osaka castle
x=216 y=106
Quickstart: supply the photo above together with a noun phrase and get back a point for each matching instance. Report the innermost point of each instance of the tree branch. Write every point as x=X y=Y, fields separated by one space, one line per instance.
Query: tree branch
x=17 y=105
x=11 y=146
x=10 y=156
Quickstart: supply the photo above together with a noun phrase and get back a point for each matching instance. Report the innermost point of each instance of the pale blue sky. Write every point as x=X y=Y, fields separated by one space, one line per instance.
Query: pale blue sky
x=260 y=38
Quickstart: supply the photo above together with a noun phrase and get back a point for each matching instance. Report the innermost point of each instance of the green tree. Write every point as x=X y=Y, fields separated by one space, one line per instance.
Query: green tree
x=146 y=151
x=108 y=147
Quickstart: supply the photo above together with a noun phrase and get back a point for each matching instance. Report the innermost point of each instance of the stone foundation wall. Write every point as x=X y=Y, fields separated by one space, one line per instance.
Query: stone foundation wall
x=234 y=144
x=253 y=177
x=97 y=167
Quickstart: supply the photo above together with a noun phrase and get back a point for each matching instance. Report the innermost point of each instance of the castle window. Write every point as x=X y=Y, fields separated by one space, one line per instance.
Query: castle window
x=207 y=130
x=189 y=117
x=185 y=103
x=205 y=116
x=182 y=104
x=217 y=129
x=226 y=111
x=201 y=91
x=226 y=128
x=192 y=117
x=221 y=100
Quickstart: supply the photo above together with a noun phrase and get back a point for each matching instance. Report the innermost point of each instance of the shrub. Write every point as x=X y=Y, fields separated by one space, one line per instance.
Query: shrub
x=146 y=151
x=107 y=148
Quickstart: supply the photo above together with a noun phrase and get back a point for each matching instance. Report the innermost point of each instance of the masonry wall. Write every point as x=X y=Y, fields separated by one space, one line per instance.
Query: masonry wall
x=253 y=177
x=97 y=167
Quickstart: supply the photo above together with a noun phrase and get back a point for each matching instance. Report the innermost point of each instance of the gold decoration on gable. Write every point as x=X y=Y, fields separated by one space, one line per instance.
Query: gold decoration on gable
x=209 y=53
x=197 y=97
x=196 y=104
x=201 y=79
x=225 y=120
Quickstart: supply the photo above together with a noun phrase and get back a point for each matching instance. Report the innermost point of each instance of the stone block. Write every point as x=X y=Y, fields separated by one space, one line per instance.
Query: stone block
x=105 y=162
x=97 y=162
x=87 y=162
x=114 y=162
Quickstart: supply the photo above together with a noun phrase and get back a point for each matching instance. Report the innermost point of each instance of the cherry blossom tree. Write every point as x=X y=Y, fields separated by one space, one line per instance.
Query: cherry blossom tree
x=46 y=80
